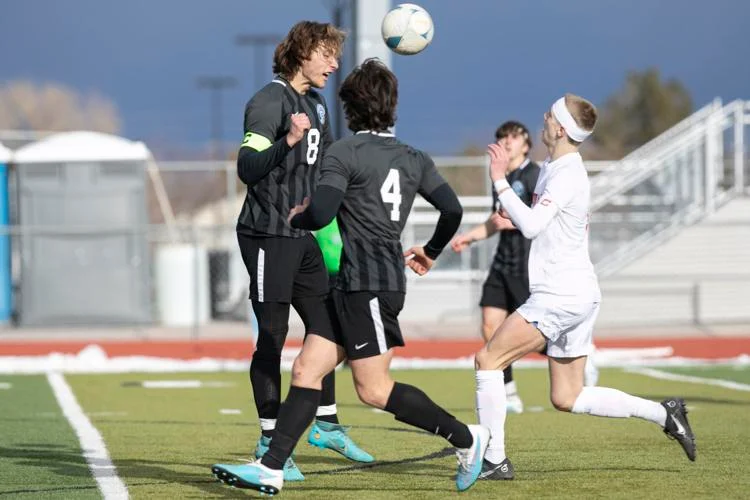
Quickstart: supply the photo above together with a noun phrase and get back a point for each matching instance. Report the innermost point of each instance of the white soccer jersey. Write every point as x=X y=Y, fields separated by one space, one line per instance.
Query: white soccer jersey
x=559 y=264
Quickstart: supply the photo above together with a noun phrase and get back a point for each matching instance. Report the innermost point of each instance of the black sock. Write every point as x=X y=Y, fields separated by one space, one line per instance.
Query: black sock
x=294 y=416
x=508 y=374
x=412 y=406
x=265 y=377
x=328 y=397
x=265 y=369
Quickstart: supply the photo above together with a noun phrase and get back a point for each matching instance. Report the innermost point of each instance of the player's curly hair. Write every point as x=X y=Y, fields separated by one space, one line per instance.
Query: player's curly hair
x=303 y=39
x=370 y=94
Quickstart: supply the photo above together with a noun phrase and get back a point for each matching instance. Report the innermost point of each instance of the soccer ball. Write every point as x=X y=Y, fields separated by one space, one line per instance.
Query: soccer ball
x=407 y=29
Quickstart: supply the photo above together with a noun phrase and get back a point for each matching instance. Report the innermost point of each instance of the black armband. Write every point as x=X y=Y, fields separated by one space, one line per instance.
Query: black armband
x=253 y=165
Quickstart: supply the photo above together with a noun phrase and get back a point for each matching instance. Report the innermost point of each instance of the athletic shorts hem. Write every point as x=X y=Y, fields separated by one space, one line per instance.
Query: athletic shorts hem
x=568 y=328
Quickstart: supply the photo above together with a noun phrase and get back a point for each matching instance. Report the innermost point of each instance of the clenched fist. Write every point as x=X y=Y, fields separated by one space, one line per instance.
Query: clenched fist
x=300 y=123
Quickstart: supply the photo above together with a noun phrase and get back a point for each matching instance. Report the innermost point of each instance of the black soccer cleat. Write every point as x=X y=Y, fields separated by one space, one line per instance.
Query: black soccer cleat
x=497 y=472
x=677 y=426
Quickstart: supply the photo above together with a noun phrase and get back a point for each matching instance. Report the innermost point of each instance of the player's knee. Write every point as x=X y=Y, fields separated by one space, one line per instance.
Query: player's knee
x=273 y=325
x=270 y=343
x=267 y=356
x=487 y=360
x=306 y=373
x=562 y=401
x=299 y=371
x=373 y=394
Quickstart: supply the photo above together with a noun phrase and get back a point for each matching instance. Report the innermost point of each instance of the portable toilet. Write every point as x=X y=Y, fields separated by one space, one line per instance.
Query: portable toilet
x=83 y=222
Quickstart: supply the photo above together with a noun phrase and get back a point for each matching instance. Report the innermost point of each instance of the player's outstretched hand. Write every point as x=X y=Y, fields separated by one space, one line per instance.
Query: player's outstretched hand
x=418 y=261
x=298 y=209
x=499 y=161
x=461 y=242
x=300 y=123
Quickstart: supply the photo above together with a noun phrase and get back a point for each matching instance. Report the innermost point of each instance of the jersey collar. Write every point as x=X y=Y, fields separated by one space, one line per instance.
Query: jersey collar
x=280 y=80
x=373 y=132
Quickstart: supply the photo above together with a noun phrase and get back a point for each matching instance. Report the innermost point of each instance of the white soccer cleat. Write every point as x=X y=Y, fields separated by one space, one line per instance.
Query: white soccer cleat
x=255 y=476
x=470 y=459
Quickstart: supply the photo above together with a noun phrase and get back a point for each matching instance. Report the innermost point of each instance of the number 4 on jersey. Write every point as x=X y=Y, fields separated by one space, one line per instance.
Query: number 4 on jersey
x=390 y=191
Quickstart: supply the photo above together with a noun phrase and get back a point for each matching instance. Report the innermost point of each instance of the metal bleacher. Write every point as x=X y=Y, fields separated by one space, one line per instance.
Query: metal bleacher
x=695 y=175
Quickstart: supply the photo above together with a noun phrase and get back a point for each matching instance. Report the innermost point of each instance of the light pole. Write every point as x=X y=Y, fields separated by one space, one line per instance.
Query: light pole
x=338 y=11
x=258 y=42
x=216 y=85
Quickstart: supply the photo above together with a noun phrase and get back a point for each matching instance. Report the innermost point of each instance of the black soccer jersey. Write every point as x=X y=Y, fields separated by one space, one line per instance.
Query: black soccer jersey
x=380 y=177
x=512 y=255
x=267 y=121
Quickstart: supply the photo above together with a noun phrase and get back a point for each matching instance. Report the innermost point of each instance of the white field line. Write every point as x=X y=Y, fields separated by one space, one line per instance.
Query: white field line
x=727 y=384
x=92 y=444
x=182 y=384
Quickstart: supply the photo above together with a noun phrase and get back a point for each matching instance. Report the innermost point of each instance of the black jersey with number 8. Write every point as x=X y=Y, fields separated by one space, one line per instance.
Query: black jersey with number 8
x=267 y=120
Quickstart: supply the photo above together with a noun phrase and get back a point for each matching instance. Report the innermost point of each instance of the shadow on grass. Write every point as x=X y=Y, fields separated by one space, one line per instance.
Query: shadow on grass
x=64 y=460
x=68 y=461
x=57 y=459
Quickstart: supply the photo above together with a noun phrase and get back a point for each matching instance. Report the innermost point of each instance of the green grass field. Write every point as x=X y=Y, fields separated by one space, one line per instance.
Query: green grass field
x=163 y=441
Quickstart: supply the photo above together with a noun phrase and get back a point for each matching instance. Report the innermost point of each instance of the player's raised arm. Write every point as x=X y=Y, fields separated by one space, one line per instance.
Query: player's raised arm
x=530 y=221
x=258 y=153
x=440 y=195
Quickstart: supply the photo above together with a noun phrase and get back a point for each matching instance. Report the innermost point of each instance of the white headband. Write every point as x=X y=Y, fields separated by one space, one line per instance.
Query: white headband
x=562 y=115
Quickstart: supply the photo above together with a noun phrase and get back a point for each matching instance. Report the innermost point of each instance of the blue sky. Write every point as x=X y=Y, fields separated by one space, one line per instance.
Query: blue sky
x=490 y=60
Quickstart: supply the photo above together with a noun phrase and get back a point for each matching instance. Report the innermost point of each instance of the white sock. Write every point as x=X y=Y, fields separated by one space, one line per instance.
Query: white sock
x=324 y=411
x=606 y=402
x=510 y=388
x=491 y=411
x=267 y=424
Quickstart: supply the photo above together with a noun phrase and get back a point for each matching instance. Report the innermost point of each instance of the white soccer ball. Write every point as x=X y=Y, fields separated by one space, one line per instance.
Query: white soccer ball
x=407 y=29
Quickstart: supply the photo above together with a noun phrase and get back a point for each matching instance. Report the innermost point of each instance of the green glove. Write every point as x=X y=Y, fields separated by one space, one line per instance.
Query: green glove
x=329 y=240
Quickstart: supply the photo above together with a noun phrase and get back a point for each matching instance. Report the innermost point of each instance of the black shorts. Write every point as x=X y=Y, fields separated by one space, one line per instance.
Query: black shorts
x=283 y=268
x=504 y=291
x=365 y=324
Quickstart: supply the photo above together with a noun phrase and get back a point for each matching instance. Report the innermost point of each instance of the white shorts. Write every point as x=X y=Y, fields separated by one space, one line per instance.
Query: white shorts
x=568 y=327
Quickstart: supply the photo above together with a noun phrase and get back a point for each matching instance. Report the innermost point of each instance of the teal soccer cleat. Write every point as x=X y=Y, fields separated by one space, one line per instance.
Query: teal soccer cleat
x=291 y=471
x=334 y=437
x=254 y=476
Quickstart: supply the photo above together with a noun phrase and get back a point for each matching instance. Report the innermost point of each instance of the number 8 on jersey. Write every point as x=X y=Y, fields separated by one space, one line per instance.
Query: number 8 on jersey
x=313 y=145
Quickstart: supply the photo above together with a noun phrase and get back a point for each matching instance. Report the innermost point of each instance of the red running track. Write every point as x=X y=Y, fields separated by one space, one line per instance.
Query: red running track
x=702 y=348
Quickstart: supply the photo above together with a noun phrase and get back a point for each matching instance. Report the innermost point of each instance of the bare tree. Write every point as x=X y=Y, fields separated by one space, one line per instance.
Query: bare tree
x=55 y=107
x=643 y=108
